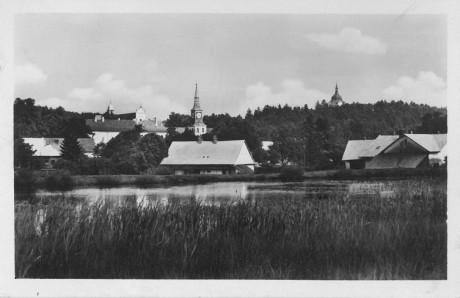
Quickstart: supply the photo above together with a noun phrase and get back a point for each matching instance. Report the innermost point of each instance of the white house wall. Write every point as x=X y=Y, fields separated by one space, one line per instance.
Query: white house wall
x=244 y=158
x=104 y=136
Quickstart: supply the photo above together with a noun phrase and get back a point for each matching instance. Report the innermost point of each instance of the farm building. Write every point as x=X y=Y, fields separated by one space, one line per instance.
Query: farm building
x=49 y=149
x=209 y=157
x=404 y=151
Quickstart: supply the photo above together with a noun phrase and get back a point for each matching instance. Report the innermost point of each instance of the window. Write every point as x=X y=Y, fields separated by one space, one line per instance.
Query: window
x=197 y=129
x=202 y=130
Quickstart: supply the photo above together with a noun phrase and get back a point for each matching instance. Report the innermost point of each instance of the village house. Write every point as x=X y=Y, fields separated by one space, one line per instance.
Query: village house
x=48 y=150
x=403 y=151
x=209 y=157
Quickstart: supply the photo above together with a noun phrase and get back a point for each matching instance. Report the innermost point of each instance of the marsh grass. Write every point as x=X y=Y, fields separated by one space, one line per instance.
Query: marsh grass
x=362 y=236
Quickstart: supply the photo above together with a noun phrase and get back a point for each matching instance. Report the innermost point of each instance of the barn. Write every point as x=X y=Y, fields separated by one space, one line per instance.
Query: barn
x=403 y=151
x=209 y=157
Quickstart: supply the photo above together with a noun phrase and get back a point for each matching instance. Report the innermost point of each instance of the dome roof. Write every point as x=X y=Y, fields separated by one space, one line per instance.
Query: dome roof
x=336 y=96
x=336 y=99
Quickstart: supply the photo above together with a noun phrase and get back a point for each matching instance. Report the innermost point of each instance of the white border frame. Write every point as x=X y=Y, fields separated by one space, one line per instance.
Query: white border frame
x=223 y=288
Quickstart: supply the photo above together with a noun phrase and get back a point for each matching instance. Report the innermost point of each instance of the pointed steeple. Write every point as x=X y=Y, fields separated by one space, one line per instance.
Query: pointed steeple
x=196 y=101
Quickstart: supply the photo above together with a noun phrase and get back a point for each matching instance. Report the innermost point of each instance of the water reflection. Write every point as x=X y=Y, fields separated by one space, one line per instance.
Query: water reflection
x=217 y=193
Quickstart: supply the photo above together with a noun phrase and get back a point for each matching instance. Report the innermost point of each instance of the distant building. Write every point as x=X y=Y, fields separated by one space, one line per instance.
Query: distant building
x=108 y=125
x=209 y=157
x=49 y=149
x=336 y=99
x=266 y=145
x=404 y=151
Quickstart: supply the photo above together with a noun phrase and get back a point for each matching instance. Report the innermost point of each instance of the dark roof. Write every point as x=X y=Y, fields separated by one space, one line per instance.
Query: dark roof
x=124 y=125
x=126 y=116
x=111 y=125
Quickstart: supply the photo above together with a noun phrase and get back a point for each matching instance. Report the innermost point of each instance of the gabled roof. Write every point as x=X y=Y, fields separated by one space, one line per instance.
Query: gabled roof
x=52 y=146
x=208 y=153
x=370 y=148
x=431 y=142
x=378 y=145
x=354 y=149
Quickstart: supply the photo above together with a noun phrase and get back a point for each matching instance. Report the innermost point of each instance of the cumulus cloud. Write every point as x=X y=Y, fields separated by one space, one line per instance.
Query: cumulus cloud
x=293 y=92
x=427 y=88
x=125 y=99
x=350 y=40
x=29 y=74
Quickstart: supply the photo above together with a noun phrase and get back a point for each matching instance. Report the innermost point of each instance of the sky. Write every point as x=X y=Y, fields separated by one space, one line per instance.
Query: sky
x=83 y=62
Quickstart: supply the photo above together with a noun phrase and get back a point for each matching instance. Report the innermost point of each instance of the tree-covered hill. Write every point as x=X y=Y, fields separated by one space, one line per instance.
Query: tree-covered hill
x=33 y=121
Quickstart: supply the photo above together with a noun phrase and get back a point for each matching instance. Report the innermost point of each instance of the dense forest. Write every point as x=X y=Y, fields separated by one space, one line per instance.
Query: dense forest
x=314 y=138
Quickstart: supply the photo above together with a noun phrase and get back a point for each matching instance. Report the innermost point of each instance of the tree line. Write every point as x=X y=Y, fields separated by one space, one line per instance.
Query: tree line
x=312 y=138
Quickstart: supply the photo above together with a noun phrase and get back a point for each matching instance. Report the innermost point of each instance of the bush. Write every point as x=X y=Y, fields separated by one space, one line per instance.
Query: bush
x=107 y=180
x=60 y=179
x=291 y=173
x=24 y=180
x=162 y=171
x=267 y=168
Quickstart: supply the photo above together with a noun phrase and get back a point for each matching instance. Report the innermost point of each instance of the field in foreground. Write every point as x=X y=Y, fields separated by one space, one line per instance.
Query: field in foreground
x=398 y=234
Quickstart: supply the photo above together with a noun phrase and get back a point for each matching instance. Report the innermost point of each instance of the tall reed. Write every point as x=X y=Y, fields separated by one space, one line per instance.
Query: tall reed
x=364 y=236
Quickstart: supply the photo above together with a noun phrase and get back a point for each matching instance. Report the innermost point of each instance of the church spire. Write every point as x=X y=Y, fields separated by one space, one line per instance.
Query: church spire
x=196 y=101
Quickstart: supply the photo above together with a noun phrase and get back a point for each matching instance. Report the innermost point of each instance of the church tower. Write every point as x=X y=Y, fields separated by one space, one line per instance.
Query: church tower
x=199 y=127
x=336 y=99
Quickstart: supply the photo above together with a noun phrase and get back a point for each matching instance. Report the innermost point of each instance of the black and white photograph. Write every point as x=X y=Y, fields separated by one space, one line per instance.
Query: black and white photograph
x=170 y=146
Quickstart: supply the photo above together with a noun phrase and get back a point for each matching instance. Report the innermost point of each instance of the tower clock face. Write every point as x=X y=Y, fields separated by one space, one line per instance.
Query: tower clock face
x=198 y=115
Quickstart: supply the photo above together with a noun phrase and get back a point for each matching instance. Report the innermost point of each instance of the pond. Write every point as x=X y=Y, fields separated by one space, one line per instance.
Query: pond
x=218 y=193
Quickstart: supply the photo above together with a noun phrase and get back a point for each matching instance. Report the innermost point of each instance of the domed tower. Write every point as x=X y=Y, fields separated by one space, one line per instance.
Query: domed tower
x=199 y=127
x=336 y=99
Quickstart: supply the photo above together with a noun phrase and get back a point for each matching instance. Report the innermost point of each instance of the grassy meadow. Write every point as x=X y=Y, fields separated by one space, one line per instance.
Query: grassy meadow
x=399 y=233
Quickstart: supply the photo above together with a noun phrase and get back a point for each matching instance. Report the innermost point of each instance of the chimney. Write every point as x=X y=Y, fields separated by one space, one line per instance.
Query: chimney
x=438 y=131
x=214 y=139
x=200 y=139
x=411 y=132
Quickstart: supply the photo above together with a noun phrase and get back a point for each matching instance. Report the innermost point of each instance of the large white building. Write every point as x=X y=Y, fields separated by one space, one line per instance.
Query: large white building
x=209 y=157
